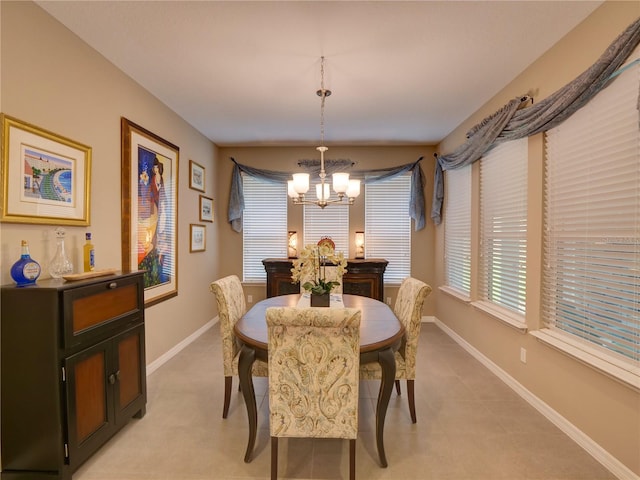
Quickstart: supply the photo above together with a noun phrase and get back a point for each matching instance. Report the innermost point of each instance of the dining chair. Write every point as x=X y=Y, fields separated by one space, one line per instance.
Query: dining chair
x=231 y=307
x=330 y=274
x=408 y=309
x=314 y=358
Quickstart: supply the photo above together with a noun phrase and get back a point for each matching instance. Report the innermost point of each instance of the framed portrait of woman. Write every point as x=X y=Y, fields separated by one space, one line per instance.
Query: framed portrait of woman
x=149 y=210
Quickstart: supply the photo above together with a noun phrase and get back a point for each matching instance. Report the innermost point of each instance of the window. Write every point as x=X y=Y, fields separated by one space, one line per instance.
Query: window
x=387 y=228
x=332 y=221
x=264 y=225
x=591 y=276
x=503 y=226
x=457 y=230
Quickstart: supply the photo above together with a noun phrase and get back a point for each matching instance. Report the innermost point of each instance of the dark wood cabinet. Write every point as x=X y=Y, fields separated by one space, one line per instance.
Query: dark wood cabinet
x=363 y=277
x=73 y=371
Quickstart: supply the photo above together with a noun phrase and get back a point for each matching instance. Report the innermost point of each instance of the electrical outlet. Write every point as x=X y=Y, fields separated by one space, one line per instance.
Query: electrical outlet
x=523 y=355
x=250 y=298
x=388 y=300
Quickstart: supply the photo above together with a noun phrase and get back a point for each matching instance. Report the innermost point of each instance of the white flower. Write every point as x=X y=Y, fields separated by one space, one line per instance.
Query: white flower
x=310 y=265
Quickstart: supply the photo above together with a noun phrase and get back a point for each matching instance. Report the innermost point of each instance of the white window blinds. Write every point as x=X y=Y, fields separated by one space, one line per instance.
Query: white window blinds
x=591 y=283
x=503 y=225
x=264 y=225
x=457 y=229
x=332 y=221
x=388 y=225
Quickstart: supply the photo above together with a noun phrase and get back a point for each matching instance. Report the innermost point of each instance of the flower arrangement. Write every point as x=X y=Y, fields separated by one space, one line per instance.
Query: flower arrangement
x=311 y=265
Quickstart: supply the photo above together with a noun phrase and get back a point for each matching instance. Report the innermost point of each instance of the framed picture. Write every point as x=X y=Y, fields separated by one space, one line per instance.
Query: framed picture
x=206 y=209
x=150 y=210
x=196 y=176
x=198 y=238
x=46 y=178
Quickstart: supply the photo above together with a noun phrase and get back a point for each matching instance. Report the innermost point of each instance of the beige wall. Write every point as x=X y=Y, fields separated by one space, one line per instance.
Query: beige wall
x=605 y=410
x=285 y=159
x=52 y=80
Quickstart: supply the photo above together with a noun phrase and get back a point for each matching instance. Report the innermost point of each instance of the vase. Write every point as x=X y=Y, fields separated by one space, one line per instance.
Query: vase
x=320 y=299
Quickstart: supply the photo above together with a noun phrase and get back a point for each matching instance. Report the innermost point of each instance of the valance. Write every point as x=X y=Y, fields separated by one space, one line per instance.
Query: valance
x=416 y=207
x=512 y=122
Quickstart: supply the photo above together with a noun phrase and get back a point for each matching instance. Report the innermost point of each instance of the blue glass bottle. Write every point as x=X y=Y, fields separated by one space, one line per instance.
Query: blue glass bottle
x=26 y=270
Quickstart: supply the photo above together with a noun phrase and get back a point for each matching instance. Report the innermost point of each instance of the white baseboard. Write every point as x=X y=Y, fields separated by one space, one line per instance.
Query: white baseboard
x=596 y=451
x=161 y=360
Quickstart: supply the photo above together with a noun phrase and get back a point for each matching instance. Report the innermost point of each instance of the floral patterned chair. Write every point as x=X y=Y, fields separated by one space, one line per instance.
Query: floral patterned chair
x=231 y=307
x=408 y=309
x=314 y=358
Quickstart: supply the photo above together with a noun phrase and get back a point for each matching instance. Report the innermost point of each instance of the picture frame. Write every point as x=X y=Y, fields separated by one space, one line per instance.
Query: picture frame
x=46 y=178
x=150 y=210
x=197 y=238
x=206 y=209
x=196 y=176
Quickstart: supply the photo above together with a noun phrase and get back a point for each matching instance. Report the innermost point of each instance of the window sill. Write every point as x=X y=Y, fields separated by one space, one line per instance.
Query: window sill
x=611 y=366
x=503 y=315
x=455 y=293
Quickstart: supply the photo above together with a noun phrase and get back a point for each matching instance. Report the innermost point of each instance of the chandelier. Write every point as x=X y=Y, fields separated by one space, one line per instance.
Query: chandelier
x=347 y=190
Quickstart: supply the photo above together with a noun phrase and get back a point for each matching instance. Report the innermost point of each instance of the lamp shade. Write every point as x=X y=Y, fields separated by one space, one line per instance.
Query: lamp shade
x=340 y=182
x=291 y=191
x=323 y=195
x=354 y=188
x=301 y=183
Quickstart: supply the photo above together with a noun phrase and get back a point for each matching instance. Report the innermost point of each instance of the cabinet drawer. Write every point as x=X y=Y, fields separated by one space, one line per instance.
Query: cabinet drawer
x=94 y=310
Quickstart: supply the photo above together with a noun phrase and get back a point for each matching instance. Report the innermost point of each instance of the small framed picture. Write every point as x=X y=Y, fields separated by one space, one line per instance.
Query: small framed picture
x=206 y=209
x=196 y=176
x=198 y=238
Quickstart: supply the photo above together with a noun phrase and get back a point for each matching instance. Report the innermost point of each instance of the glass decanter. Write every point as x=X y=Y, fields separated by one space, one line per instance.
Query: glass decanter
x=60 y=264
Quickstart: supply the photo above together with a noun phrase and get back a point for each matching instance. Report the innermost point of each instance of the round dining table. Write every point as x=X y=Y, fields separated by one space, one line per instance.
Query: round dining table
x=381 y=334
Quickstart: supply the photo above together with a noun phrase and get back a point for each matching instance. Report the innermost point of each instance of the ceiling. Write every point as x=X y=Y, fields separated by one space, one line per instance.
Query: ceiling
x=246 y=73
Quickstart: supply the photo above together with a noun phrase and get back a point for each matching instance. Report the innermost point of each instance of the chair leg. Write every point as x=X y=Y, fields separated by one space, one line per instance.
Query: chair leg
x=352 y=459
x=412 y=400
x=274 y=458
x=227 y=395
x=398 y=387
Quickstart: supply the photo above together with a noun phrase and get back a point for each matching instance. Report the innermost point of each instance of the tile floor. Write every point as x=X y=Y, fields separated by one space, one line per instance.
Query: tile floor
x=470 y=426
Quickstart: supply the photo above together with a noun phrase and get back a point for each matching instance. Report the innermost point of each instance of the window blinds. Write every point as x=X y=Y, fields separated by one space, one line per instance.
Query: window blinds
x=591 y=283
x=332 y=221
x=264 y=225
x=457 y=229
x=503 y=225
x=388 y=225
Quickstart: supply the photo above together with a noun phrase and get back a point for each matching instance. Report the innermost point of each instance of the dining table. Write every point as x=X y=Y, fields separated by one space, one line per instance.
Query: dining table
x=381 y=335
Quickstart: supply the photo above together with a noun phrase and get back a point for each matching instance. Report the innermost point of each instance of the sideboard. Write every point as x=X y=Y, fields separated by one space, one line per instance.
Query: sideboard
x=363 y=277
x=73 y=371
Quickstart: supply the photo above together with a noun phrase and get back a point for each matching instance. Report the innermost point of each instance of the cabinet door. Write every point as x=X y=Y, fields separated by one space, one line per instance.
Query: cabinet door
x=90 y=411
x=130 y=383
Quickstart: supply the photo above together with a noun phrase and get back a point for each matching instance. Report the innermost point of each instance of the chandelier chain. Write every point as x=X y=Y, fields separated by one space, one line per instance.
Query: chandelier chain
x=323 y=95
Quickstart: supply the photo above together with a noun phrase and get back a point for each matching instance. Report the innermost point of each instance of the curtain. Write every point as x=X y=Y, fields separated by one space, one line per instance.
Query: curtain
x=512 y=121
x=417 y=203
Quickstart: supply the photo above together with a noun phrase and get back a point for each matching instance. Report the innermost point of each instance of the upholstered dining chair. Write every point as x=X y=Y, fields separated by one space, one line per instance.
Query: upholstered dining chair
x=314 y=358
x=408 y=309
x=330 y=274
x=231 y=306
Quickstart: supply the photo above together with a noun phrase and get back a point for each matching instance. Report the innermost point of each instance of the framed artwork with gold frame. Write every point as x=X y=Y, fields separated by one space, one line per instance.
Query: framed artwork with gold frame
x=46 y=178
x=150 y=210
x=197 y=237
x=206 y=209
x=196 y=176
